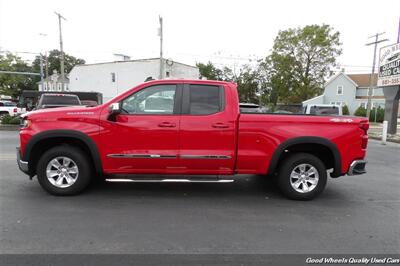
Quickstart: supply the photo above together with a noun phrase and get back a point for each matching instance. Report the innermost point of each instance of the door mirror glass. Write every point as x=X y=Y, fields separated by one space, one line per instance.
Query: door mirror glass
x=114 y=108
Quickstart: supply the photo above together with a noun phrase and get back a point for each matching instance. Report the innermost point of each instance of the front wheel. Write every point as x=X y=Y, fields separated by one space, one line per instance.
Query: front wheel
x=64 y=170
x=302 y=176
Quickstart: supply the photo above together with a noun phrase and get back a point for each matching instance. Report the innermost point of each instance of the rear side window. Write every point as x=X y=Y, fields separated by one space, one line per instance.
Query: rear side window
x=205 y=99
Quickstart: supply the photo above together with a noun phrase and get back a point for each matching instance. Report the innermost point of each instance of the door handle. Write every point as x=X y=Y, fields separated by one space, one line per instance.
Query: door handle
x=167 y=124
x=220 y=125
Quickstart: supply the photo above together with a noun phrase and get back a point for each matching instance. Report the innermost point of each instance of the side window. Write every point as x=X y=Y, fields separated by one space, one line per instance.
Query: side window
x=205 y=99
x=157 y=99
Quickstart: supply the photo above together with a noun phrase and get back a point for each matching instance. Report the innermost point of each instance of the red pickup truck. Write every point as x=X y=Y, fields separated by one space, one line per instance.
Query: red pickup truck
x=187 y=128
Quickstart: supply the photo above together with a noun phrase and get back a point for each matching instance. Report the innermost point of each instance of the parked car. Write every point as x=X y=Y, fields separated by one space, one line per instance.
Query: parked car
x=29 y=99
x=57 y=100
x=8 y=107
x=200 y=132
x=323 y=109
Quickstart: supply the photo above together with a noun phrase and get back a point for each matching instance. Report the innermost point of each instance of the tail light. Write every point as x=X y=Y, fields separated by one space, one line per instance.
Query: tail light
x=364 y=126
x=364 y=139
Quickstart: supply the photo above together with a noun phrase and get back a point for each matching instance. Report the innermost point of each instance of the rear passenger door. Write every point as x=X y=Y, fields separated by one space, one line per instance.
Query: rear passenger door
x=207 y=131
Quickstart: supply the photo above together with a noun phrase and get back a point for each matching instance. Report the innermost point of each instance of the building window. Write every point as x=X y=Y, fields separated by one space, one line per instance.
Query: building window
x=339 y=90
x=112 y=77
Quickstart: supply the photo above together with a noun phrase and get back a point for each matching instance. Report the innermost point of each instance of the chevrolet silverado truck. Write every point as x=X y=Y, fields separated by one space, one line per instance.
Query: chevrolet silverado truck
x=192 y=129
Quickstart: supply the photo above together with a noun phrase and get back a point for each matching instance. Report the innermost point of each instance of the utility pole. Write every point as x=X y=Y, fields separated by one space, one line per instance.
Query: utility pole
x=46 y=64
x=160 y=33
x=41 y=69
x=371 y=77
x=61 y=49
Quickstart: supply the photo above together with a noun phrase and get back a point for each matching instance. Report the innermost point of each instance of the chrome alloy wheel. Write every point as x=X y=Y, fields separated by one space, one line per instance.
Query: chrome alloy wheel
x=62 y=172
x=304 y=178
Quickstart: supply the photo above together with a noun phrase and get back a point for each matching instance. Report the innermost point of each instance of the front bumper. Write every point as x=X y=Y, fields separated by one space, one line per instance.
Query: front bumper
x=357 y=167
x=22 y=165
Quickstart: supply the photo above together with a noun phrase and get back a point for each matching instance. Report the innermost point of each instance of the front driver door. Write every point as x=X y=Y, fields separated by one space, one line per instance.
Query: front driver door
x=145 y=134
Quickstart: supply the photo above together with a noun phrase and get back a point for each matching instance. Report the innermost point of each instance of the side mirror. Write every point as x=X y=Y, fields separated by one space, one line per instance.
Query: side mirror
x=114 y=110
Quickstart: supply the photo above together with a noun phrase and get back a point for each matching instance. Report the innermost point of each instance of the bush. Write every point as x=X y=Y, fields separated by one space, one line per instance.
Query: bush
x=345 y=110
x=380 y=114
x=10 y=120
x=361 y=111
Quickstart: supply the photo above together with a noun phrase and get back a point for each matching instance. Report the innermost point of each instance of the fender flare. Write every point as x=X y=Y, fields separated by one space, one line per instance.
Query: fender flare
x=61 y=133
x=337 y=169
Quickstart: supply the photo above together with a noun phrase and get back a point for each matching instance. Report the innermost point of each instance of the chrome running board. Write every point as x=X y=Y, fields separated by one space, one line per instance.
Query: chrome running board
x=170 y=180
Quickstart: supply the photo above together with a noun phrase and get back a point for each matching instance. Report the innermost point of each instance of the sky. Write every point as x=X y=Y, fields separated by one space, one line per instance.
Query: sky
x=225 y=32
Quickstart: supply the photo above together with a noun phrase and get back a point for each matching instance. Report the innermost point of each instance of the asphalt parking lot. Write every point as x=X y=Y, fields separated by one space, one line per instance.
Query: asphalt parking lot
x=359 y=214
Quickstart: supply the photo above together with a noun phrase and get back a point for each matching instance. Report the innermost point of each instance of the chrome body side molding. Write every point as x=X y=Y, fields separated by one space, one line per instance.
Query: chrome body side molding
x=158 y=156
x=221 y=157
x=141 y=156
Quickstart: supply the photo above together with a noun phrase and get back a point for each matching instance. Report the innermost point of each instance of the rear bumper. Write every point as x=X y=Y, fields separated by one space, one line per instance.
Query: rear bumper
x=22 y=165
x=357 y=167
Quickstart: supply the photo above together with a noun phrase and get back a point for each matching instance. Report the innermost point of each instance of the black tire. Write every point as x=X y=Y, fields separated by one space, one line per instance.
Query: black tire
x=79 y=158
x=289 y=164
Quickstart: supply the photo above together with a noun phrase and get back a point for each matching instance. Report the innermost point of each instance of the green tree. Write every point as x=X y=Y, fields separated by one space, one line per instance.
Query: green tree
x=53 y=61
x=252 y=85
x=345 y=110
x=13 y=84
x=210 y=71
x=251 y=82
x=300 y=61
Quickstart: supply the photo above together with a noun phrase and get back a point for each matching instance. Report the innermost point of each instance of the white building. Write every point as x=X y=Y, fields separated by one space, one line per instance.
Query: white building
x=351 y=90
x=113 y=78
x=54 y=83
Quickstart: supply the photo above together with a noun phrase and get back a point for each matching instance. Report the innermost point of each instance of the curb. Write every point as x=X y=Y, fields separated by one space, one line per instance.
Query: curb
x=9 y=127
x=387 y=140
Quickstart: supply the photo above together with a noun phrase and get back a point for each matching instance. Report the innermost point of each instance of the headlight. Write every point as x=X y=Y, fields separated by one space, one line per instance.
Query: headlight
x=25 y=123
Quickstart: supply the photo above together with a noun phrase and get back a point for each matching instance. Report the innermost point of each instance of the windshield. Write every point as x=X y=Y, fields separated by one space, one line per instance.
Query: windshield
x=9 y=104
x=60 y=100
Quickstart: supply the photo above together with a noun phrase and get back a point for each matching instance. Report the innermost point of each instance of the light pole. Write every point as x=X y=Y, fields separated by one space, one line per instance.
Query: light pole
x=161 y=48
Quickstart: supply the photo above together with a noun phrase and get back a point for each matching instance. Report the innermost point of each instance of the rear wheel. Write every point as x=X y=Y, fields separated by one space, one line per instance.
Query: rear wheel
x=64 y=170
x=302 y=176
